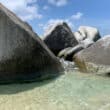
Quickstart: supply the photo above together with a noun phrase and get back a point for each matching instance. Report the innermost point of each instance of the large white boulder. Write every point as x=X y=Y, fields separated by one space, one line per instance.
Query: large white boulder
x=86 y=32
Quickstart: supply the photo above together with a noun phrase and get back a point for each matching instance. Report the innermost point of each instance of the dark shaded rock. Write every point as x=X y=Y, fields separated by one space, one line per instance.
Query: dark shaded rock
x=60 y=38
x=23 y=55
x=96 y=58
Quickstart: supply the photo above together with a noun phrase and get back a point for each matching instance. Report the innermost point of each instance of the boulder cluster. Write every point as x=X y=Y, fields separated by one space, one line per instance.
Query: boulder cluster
x=86 y=47
x=24 y=57
x=65 y=44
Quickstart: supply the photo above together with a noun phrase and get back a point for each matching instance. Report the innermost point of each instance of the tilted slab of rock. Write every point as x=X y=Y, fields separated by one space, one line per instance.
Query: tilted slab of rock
x=69 y=52
x=95 y=59
x=23 y=56
x=60 y=37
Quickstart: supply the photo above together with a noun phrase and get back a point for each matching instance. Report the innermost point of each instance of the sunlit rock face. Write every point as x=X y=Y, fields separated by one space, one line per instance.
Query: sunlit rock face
x=86 y=32
x=86 y=35
x=60 y=37
x=23 y=56
x=96 y=58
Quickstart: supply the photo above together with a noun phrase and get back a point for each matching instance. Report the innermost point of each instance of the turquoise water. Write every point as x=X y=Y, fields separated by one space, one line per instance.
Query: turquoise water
x=72 y=91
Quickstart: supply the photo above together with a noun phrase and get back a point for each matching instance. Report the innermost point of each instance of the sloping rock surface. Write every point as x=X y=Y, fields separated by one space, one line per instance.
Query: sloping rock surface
x=23 y=56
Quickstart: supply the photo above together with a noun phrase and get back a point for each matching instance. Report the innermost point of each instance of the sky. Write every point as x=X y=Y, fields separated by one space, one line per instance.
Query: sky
x=41 y=14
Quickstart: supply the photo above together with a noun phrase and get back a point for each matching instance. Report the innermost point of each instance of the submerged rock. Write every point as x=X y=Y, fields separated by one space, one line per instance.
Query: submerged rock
x=68 y=66
x=23 y=55
x=96 y=58
x=60 y=37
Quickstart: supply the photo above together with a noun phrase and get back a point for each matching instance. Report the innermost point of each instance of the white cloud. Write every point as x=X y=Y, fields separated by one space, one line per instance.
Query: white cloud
x=58 y=2
x=45 y=7
x=52 y=23
x=77 y=16
x=25 y=9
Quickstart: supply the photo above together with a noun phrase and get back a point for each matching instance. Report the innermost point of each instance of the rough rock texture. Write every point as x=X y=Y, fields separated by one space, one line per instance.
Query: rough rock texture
x=85 y=32
x=95 y=59
x=60 y=38
x=23 y=56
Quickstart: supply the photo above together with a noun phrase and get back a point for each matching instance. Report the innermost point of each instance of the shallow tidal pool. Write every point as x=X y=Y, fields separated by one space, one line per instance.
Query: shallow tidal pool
x=72 y=91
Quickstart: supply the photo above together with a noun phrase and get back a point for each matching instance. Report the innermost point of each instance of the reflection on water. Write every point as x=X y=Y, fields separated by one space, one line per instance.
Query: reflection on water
x=72 y=91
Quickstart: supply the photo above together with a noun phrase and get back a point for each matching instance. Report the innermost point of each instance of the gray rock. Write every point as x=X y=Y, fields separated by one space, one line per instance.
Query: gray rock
x=96 y=58
x=60 y=37
x=69 y=52
x=23 y=55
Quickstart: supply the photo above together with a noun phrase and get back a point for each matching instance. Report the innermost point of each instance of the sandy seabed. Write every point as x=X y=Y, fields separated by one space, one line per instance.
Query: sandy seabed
x=72 y=91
